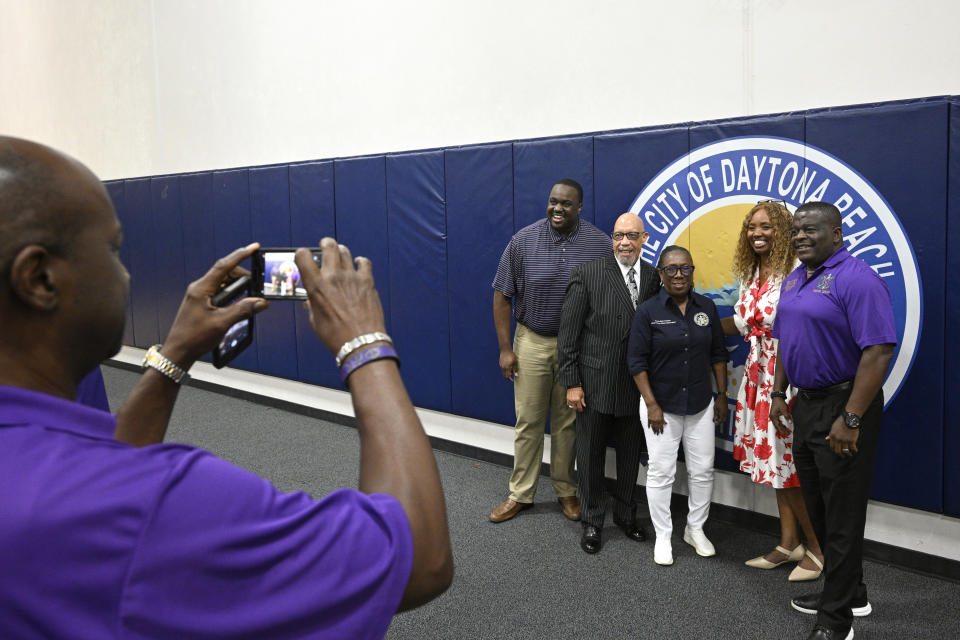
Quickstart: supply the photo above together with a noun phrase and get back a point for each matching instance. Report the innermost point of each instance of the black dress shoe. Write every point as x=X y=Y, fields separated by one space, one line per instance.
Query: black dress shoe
x=590 y=540
x=632 y=530
x=810 y=603
x=822 y=633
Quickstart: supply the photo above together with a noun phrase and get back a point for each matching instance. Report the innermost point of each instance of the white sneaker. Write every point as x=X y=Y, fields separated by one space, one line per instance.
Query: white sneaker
x=698 y=540
x=663 y=552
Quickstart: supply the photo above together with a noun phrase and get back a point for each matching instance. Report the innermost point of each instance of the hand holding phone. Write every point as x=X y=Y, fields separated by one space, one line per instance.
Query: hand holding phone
x=200 y=326
x=343 y=302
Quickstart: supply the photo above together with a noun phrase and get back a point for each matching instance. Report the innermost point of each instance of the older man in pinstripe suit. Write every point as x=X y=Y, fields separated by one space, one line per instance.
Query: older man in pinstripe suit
x=592 y=351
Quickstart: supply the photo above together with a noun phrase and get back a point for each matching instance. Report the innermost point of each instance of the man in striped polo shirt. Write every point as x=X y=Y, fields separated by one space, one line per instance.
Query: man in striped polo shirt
x=533 y=274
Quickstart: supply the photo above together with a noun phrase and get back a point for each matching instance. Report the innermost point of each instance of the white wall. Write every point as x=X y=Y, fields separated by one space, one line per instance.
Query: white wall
x=140 y=87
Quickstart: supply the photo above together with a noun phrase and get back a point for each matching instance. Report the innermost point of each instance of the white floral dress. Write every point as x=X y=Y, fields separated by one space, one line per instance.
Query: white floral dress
x=762 y=451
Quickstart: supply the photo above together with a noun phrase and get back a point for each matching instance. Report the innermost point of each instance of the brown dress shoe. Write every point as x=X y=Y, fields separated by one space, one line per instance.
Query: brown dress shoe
x=507 y=510
x=570 y=506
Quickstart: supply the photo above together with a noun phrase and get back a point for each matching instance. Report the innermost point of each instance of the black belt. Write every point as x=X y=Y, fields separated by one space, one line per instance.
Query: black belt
x=823 y=392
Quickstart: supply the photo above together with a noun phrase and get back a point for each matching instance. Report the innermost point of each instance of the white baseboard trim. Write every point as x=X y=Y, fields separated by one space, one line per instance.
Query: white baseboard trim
x=911 y=529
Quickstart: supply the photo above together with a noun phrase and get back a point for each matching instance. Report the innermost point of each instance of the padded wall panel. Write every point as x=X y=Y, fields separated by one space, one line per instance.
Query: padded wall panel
x=232 y=230
x=168 y=244
x=951 y=437
x=538 y=164
x=625 y=162
x=276 y=339
x=479 y=188
x=902 y=151
x=418 y=275
x=140 y=233
x=361 y=217
x=117 y=195
x=196 y=209
x=312 y=217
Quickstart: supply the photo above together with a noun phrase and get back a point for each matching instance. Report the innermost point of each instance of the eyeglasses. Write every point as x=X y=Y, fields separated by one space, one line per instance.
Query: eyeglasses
x=672 y=270
x=632 y=235
x=783 y=202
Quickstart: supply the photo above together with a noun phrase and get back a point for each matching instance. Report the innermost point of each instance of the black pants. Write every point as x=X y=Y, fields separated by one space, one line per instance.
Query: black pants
x=593 y=431
x=835 y=490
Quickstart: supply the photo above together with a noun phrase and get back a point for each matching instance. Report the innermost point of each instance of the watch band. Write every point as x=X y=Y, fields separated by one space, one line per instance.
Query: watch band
x=352 y=345
x=156 y=360
x=778 y=394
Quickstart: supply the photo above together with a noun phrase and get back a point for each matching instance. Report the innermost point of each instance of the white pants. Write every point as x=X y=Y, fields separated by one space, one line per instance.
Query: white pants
x=699 y=441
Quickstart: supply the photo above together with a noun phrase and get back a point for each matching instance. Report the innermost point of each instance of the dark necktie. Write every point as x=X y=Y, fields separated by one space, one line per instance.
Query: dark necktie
x=632 y=285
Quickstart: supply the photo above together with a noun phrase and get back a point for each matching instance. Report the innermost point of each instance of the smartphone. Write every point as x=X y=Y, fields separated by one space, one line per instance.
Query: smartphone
x=276 y=276
x=240 y=335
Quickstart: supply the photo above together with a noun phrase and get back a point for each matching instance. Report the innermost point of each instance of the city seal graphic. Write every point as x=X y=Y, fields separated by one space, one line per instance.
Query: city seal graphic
x=699 y=202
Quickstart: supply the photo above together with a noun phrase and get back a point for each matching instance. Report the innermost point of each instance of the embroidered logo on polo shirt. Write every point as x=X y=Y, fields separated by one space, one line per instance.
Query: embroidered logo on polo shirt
x=789 y=284
x=701 y=319
x=824 y=282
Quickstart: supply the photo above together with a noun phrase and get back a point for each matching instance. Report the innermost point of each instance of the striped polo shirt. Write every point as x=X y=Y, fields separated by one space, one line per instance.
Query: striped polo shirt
x=536 y=265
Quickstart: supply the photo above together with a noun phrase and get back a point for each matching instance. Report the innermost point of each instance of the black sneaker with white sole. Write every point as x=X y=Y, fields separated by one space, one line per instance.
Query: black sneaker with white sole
x=810 y=602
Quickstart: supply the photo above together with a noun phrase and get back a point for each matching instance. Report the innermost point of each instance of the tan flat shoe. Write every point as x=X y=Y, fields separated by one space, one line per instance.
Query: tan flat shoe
x=799 y=574
x=762 y=563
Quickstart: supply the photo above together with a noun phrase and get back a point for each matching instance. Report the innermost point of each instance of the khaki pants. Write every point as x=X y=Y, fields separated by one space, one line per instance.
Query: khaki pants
x=536 y=391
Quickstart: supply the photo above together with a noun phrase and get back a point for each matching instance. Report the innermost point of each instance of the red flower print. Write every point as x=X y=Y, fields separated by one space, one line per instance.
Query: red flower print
x=763 y=451
x=788 y=457
x=739 y=453
x=771 y=366
x=748 y=442
x=751 y=394
x=792 y=481
x=761 y=415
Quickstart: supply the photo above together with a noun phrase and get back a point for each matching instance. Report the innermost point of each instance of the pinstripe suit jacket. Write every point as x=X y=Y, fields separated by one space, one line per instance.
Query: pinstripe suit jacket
x=594 y=332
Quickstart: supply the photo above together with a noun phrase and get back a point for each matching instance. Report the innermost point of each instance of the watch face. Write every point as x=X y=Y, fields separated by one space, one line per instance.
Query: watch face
x=852 y=420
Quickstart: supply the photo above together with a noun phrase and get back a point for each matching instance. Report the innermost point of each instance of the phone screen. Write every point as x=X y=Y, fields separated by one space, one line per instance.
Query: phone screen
x=277 y=275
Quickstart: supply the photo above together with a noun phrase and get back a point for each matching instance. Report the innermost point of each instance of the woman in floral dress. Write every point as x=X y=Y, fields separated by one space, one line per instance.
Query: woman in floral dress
x=764 y=257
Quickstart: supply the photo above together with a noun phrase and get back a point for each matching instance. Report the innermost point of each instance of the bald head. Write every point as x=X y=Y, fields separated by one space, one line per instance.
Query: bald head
x=628 y=236
x=63 y=289
x=44 y=196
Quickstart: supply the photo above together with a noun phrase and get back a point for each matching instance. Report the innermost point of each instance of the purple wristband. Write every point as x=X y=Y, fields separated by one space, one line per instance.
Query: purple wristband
x=364 y=356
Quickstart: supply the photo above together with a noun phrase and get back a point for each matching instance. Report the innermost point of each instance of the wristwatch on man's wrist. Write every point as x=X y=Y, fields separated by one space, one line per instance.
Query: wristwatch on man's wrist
x=778 y=394
x=851 y=419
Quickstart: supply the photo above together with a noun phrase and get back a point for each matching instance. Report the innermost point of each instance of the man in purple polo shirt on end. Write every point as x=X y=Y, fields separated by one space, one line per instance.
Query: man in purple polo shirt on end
x=836 y=337
x=101 y=539
x=533 y=274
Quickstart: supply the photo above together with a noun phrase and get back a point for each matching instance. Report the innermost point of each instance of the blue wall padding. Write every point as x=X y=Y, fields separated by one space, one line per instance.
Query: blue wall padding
x=537 y=165
x=361 y=208
x=116 y=190
x=951 y=378
x=196 y=207
x=902 y=151
x=435 y=223
x=232 y=230
x=624 y=162
x=168 y=223
x=312 y=217
x=140 y=234
x=416 y=214
x=276 y=339
x=479 y=184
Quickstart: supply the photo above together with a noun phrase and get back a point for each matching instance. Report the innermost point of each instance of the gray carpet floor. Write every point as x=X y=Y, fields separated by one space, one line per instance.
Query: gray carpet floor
x=528 y=578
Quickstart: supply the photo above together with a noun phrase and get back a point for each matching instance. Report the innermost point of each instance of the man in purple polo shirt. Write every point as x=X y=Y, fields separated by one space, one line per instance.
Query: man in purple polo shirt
x=533 y=274
x=101 y=539
x=836 y=337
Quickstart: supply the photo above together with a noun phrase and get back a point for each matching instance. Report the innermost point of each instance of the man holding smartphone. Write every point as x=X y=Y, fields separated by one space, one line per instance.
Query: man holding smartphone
x=103 y=539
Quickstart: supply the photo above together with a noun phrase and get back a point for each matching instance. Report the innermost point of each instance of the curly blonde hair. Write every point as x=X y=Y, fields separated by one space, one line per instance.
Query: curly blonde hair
x=782 y=256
